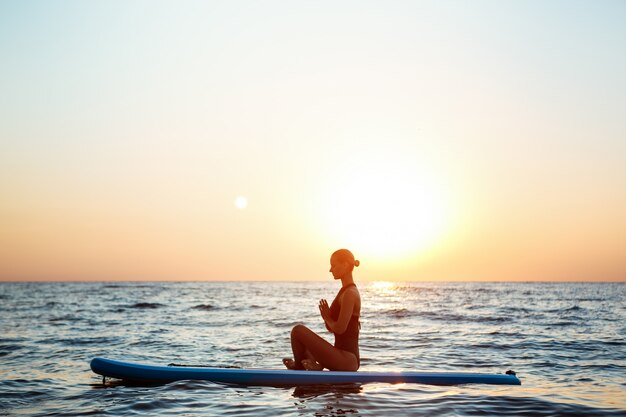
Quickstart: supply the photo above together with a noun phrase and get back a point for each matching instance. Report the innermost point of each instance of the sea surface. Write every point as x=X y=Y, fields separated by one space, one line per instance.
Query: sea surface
x=565 y=341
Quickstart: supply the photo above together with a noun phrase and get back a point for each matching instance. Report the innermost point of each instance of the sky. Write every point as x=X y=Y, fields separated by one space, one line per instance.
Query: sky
x=236 y=140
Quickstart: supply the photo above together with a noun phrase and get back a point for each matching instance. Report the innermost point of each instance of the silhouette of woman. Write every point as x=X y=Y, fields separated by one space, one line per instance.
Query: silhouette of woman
x=310 y=351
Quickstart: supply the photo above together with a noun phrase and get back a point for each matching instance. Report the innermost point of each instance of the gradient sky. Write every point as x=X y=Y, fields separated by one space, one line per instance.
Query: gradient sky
x=442 y=140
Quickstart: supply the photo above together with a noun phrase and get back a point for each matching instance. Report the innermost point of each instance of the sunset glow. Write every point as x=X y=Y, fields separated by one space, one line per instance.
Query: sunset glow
x=386 y=207
x=207 y=141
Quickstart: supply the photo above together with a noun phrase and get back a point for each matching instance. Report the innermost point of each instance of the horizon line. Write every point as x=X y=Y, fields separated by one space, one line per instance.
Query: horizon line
x=315 y=280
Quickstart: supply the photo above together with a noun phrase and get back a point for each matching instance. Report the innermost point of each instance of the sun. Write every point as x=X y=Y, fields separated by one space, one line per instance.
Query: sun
x=385 y=211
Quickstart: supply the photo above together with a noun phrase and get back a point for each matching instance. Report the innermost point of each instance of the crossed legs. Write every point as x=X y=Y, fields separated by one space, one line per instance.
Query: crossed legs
x=311 y=352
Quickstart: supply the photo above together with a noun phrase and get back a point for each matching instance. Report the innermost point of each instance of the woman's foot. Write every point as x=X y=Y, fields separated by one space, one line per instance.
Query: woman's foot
x=289 y=363
x=311 y=365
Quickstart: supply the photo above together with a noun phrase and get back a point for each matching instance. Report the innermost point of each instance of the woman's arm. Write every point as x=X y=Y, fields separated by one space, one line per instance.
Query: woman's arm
x=340 y=325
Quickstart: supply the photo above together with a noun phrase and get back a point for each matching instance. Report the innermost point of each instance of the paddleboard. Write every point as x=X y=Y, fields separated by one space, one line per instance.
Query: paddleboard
x=138 y=372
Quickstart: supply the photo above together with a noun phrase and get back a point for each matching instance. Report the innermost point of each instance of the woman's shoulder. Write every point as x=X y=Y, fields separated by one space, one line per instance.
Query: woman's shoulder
x=353 y=291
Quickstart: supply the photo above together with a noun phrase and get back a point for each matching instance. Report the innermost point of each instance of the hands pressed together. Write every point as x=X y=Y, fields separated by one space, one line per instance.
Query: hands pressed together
x=325 y=312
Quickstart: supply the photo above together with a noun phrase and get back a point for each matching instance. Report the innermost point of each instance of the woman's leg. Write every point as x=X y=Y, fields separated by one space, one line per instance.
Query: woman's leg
x=308 y=345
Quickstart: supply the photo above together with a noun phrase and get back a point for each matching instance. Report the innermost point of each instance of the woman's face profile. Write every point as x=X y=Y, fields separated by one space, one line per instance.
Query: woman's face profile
x=338 y=268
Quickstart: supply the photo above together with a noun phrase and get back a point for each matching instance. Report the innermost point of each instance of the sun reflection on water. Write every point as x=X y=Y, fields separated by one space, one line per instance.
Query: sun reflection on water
x=383 y=287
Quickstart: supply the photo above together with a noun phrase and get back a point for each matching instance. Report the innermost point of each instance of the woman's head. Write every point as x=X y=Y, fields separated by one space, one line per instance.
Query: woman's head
x=342 y=263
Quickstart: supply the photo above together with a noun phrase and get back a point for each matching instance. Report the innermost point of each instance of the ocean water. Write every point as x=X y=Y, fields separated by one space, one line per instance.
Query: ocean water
x=565 y=341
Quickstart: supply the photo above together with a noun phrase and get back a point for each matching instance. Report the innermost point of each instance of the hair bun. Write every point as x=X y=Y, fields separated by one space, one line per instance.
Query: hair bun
x=357 y=263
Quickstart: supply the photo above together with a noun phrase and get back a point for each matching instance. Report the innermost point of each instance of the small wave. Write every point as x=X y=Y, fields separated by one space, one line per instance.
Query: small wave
x=485 y=290
x=561 y=324
x=514 y=406
x=614 y=342
x=510 y=309
x=398 y=312
x=507 y=334
x=64 y=318
x=287 y=324
x=489 y=319
x=490 y=346
x=563 y=310
x=461 y=318
x=443 y=316
x=145 y=343
x=205 y=307
x=604 y=367
x=146 y=406
x=128 y=286
x=84 y=341
x=146 y=305
x=6 y=350
x=419 y=290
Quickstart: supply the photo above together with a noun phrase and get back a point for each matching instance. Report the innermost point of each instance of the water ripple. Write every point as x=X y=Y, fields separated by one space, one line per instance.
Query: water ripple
x=566 y=341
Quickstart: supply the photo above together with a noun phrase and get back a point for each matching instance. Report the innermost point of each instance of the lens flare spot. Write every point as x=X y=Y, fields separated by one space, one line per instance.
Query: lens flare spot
x=241 y=202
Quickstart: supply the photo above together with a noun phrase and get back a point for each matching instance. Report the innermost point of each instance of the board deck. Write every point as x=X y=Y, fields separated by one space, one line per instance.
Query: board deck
x=138 y=372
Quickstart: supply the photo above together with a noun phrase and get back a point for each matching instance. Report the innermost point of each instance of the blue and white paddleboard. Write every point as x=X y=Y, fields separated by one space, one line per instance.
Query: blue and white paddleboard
x=283 y=377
